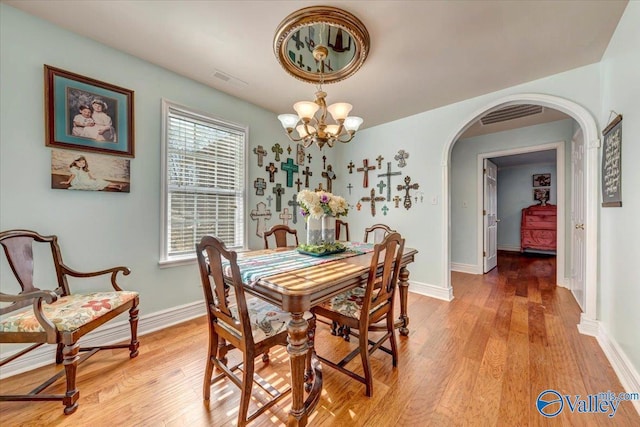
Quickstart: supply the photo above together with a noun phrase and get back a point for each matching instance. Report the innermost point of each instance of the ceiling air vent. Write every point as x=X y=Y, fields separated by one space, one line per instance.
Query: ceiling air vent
x=510 y=113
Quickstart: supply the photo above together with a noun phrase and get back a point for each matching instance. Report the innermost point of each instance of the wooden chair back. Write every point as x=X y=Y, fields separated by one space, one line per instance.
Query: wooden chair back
x=378 y=232
x=339 y=225
x=213 y=259
x=280 y=232
x=381 y=284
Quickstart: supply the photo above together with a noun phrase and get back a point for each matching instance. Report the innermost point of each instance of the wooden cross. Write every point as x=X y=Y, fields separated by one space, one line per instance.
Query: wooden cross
x=289 y=150
x=289 y=168
x=365 y=168
x=330 y=175
x=298 y=183
x=259 y=185
x=319 y=187
x=261 y=152
x=407 y=187
x=349 y=187
x=396 y=200
x=307 y=173
x=260 y=214
x=358 y=205
x=300 y=154
x=309 y=157
x=401 y=158
x=373 y=199
x=389 y=174
x=381 y=186
x=285 y=216
x=324 y=161
x=278 y=190
x=277 y=150
x=272 y=169
x=379 y=159
x=385 y=209
x=269 y=199
x=294 y=205
x=350 y=166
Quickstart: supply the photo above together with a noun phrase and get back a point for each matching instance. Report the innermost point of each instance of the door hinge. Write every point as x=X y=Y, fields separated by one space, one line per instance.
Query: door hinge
x=484 y=171
x=484 y=211
x=484 y=254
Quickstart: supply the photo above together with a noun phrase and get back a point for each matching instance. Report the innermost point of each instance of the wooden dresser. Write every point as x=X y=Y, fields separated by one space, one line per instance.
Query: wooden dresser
x=538 y=228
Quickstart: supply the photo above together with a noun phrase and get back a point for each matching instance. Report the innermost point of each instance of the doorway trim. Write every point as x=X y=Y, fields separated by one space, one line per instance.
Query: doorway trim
x=588 y=320
x=559 y=147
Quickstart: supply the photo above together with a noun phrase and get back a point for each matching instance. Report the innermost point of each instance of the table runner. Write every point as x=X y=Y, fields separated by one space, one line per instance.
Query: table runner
x=254 y=268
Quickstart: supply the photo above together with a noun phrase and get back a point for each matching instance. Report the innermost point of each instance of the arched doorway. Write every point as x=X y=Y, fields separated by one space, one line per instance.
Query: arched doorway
x=588 y=324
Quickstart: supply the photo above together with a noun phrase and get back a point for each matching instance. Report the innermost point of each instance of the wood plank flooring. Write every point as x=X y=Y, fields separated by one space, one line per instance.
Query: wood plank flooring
x=480 y=360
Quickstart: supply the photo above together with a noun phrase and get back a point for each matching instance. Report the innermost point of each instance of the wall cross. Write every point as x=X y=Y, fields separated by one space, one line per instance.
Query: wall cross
x=373 y=199
x=365 y=168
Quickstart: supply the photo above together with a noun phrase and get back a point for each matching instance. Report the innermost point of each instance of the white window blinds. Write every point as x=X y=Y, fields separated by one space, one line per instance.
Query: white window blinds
x=205 y=161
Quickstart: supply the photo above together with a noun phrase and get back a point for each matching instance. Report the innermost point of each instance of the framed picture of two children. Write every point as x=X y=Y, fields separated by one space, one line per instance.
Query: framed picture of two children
x=85 y=114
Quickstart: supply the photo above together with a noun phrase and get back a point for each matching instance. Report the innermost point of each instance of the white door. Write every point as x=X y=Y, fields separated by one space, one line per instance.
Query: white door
x=577 y=218
x=490 y=215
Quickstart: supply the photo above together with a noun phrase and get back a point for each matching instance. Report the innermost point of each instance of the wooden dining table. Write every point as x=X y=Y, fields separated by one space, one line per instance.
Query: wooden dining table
x=296 y=291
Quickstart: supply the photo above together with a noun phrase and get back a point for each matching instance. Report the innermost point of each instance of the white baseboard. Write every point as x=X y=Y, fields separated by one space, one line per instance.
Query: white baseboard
x=509 y=248
x=627 y=374
x=108 y=334
x=466 y=268
x=432 y=291
x=588 y=326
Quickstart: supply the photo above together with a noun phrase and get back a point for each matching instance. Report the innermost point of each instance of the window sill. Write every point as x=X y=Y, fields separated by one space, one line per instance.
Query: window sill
x=177 y=262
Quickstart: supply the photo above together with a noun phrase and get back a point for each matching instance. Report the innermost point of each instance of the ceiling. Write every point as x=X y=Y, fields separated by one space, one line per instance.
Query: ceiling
x=424 y=54
x=536 y=157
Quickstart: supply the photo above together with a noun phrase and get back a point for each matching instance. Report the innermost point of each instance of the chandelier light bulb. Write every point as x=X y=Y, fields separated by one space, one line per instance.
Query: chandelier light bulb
x=353 y=123
x=339 y=110
x=288 y=121
x=303 y=133
x=306 y=109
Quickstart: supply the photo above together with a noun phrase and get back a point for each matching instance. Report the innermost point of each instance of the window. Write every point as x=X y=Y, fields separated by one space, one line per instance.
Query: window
x=203 y=181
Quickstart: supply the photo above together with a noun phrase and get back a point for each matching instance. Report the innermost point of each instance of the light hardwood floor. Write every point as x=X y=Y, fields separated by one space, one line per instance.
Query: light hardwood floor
x=481 y=359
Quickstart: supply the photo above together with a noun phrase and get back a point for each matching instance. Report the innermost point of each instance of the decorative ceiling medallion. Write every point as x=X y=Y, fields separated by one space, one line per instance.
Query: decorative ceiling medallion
x=321 y=44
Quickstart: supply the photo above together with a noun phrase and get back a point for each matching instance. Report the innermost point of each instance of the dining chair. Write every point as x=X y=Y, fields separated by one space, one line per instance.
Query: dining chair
x=378 y=232
x=251 y=326
x=57 y=316
x=280 y=232
x=339 y=225
x=362 y=308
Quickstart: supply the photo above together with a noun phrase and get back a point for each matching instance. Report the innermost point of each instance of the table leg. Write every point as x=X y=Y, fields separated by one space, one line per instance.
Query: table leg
x=297 y=349
x=403 y=287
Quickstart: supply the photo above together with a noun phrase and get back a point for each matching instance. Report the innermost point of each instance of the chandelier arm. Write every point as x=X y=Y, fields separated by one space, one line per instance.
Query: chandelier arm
x=291 y=137
x=351 y=135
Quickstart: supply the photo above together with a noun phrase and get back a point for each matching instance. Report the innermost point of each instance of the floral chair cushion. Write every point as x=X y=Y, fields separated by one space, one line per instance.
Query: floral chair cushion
x=267 y=320
x=348 y=303
x=68 y=313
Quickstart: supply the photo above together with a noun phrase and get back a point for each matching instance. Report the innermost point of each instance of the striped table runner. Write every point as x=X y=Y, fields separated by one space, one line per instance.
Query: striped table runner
x=254 y=268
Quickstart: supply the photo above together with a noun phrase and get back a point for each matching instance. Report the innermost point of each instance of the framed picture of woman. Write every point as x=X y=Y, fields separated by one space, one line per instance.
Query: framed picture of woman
x=82 y=113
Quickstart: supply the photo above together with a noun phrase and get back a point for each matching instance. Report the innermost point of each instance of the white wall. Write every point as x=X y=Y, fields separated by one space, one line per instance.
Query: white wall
x=515 y=192
x=464 y=178
x=619 y=230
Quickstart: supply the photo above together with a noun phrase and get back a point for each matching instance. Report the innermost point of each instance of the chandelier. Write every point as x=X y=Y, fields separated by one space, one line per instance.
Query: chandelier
x=321 y=44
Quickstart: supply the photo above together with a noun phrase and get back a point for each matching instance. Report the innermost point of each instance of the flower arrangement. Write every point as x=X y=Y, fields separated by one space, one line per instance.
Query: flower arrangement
x=318 y=203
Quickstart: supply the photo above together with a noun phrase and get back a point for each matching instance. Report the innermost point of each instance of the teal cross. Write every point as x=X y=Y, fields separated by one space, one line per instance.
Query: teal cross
x=385 y=209
x=289 y=168
x=381 y=186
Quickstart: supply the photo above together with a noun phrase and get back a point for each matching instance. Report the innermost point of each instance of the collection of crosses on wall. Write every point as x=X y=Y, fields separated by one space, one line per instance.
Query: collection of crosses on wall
x=287 y=168
x=374 y=197
x=291 y=170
